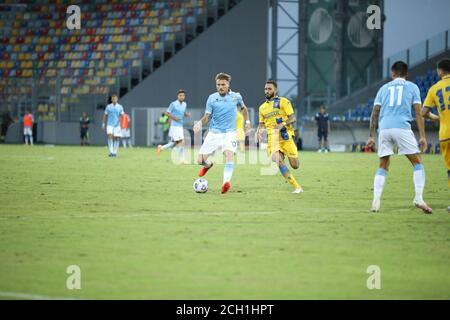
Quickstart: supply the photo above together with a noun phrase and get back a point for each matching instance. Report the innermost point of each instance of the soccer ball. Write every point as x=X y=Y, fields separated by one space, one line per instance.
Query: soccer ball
x=200 y=185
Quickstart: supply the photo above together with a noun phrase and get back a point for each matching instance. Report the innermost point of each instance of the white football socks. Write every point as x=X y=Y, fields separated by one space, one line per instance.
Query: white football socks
x=378 y=183
x=116 y=146
x=228 y=172
x=181 y=153
x=419 y=181
x=110 y=145
x=168 y=145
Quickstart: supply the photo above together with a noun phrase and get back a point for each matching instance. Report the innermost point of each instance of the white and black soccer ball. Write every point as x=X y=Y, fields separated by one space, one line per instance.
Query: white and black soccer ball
x=200 y=185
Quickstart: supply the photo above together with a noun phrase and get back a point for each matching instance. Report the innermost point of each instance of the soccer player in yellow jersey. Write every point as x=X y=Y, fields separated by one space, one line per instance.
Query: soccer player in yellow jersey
x=439 y=97
x=240 y=130
x=276 y=115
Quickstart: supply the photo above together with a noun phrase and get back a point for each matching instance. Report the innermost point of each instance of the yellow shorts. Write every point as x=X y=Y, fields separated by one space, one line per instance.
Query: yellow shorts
x=240 y=135
x=287 y=147
x=445 y=150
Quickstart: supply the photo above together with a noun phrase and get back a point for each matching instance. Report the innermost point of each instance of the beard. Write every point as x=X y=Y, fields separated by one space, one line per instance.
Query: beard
x=270 y=96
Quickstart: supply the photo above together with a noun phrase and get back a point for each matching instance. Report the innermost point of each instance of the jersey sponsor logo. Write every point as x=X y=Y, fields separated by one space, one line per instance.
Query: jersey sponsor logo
x=272 y=114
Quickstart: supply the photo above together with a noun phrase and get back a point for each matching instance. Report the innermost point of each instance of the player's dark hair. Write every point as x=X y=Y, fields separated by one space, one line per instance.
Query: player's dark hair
x=181 y=91
x=400 y=68
x=444 y=65
x=223 y=76
x=114 y=95
x=272 y=82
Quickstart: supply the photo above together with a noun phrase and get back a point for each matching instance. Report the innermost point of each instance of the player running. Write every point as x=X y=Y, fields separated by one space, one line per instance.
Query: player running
x=221 y=109
x=276 y=115
x=439 y=97
x=176 y=112
x=111 y=116
x=392 y=112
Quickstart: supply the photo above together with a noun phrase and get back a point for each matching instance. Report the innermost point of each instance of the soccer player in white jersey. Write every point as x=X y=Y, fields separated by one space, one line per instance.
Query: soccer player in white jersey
x=176 y=112
x=111 y=118
x=392 y=112
x=221 y=109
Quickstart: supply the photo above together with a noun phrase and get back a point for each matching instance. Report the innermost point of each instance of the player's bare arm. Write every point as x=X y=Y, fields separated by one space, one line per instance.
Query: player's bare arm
x=426 y=113
x=204 y=120
x=421 y=126
x=105 y=118
x=246 y=115
x=373 y=125
x=259 y=130
x=291 y=120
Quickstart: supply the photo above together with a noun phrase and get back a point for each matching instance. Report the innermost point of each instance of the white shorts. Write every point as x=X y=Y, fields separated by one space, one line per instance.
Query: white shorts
x=176 y=133
x=403 y=138
x=27 y=131
x=213 y=141
x=126 y=133
x=115 y=131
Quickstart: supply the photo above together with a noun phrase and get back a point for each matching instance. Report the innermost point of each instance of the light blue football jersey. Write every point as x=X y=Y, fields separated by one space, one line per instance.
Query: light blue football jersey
x=396 y=99
x=223 y=110
x=178 y=110
x=113 y=112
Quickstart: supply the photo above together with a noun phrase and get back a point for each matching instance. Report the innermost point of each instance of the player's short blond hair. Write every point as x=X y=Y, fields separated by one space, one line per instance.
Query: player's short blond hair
x=223 y=76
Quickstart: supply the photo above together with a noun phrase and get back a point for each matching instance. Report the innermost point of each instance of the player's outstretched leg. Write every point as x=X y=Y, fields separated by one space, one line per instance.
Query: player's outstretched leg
x=206 y=164
x=164 y=147
x=278 y=158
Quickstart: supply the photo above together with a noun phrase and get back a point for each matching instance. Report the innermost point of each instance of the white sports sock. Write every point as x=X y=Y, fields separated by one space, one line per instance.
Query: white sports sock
x=228 y=172
x=378 y=183
x=110 y=145
x=124 y=143
x=31 y=139
x=419 y=181
x=116 y=146
x=181 y=152
x=129 y=142
x=168 y=145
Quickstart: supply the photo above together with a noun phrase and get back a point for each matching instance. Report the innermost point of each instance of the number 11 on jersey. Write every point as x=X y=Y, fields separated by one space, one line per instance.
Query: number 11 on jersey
x=392 y=95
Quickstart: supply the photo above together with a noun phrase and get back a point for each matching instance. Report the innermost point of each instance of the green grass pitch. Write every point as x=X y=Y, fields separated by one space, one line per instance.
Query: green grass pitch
x=137 y=230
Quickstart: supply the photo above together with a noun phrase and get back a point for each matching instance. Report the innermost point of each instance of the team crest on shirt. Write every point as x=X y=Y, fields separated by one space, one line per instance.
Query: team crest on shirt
x=276 y=103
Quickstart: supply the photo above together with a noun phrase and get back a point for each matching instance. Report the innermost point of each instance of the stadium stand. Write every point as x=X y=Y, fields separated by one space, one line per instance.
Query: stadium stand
x=43 y=64
x=362 y=112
